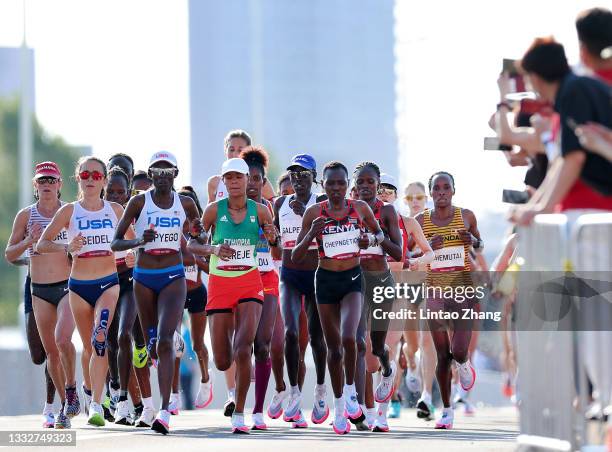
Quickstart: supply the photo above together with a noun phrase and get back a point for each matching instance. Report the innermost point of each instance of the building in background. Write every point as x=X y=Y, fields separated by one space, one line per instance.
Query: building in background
x=10 y=73
x=308 y=76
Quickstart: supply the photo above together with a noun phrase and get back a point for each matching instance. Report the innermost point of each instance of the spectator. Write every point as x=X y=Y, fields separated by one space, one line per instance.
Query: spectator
x=596 y=138
x=578 y=100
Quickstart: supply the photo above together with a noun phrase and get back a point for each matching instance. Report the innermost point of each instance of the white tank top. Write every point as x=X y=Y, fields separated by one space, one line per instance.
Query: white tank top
x=191 y=273
x=221 y=190
x=264 y=255
x=291 y=224
x=97 y=227
x=36 y=217
x=168 y=225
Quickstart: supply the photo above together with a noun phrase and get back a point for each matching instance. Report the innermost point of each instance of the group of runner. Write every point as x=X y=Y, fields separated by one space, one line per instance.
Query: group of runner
x=123 y=262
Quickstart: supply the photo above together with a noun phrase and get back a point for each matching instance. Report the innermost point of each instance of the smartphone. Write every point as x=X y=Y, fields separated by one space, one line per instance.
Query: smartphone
x=515 y=197
x=491 y=144
x=509 y=67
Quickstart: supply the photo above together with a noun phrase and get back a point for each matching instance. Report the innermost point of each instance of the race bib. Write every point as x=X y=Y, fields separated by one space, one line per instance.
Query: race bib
x=372 y=251
x=265 y=262
x=341 y=245
x=243 y=258
x=191 y=273
x=449 y=259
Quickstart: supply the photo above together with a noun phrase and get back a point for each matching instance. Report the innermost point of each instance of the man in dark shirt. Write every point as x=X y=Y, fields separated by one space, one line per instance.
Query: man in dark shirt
x=577 y=100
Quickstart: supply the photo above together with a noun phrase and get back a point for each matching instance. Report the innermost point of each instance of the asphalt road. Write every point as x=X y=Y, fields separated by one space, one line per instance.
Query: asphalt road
x=490 y=429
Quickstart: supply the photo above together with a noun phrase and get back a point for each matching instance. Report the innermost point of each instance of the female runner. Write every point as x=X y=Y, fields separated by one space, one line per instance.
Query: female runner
x=159 y=276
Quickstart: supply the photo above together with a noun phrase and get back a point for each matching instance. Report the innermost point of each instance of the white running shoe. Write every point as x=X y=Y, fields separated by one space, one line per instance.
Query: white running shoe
x=370 y=415
x=300 y=422
x=238 y=425
x=49 y=417
x=146 y=418
x=123 y=416
x=161 y=424
x=294 y=404
x=275 y=409
x=467 y=375
x=205 y=394
x=413 y=381
x=445 y=422
x=320 y=409
x=96 y=415
x=380 y=423
x=384 y=390
x=341 y=425
x=352 y=409
x=175 y=404
x=258 y=422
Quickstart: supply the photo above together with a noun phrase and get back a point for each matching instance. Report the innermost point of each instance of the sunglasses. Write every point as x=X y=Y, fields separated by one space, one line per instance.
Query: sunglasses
x=47 y=180
x=411 y=198
x=386 y=191
x=299 y=174
x=95 y=175
x=163 y=172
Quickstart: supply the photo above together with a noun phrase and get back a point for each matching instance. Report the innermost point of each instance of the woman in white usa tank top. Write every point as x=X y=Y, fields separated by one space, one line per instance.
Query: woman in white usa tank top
x=90 y=222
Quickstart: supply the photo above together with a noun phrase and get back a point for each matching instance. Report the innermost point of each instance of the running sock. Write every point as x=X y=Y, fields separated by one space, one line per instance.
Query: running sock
x=123 y=396
x=231 y=394
x=320 y=390
x=48 y=408
x=263 y=369
x=383 y=408
x=426 y=397
x=147 y=402
x=138 y=406
x=295 y=389
x=371 y=411
x=86 y=391
x=339 y=406
x=349 y=389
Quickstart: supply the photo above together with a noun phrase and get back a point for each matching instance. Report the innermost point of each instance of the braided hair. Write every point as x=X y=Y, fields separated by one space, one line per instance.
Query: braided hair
x=441 y=173
x=361 y=166
x=334 y=164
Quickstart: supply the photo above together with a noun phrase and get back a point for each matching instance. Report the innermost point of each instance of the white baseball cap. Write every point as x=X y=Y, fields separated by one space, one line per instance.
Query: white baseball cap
x=235 y=165
x=163 y=156
x=387 y=179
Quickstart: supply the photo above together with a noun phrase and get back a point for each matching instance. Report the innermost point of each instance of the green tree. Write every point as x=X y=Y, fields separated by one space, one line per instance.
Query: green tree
x=45 y=147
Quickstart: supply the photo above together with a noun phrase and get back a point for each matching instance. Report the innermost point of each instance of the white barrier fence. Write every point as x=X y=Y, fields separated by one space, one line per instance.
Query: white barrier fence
x=554 y=362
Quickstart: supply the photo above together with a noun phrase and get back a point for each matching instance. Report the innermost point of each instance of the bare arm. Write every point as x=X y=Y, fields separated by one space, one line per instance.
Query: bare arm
x=60 y=221
x=392 y=244
x=312 y=225
x=19 y=241
x=196 y=246
x=132 y=210
x=277 y=251
x=213 y=183
x=414 y=229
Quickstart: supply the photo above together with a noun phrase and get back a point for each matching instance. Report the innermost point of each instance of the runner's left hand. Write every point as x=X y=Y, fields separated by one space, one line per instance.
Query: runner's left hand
x=364 y=241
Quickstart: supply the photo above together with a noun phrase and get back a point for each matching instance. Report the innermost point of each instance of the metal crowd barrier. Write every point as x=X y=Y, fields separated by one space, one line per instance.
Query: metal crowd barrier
x=553 y=364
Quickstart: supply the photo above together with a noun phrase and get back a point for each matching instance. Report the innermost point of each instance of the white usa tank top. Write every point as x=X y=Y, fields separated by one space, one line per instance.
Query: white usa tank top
x=168 y=225
x=37 y=218
x=291 y=224
x=97 y=227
